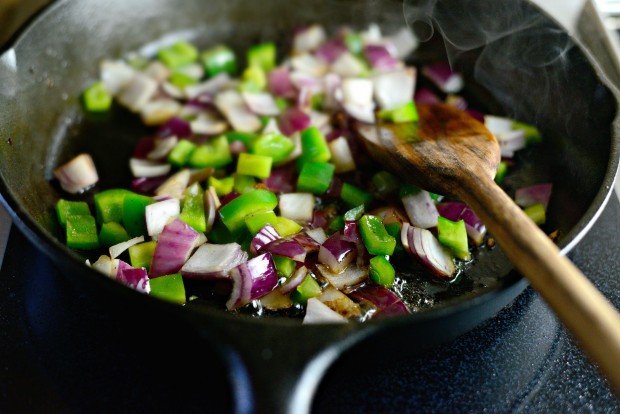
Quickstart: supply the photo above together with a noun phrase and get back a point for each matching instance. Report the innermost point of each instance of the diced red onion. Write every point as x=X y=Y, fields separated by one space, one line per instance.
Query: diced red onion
x=134 y=278
x=177 y=127
x=351 y=231
x=308 y=39
x=147 y=185
x=148 y=169
x=298 y=207
x=106 y=266
x=261 y=103
x=161 y=148
x=276 y=300
x=251 y=280
x=342 y=157
x=287 y=247
x=227 y=198
x=442 y=75
x=421 y=209
x=337 y=253
x=208 y=123
x=357 y=91
x=432 y=254
x=384 y=300
x=425 y=96
x=77 y=175
x=346 y=281
x=272 y=127
x=212 y=86
x=175 y=184
x=293 y=120
x=158 y=71
x=347 y=66
x=309 y=243
x=511 y=141
x=457 y=211
x=363 y=113
x=158 y=214
x=119 y=248
x=231 y=104
x=404 y=42
x=394 y=88
x=318 y=313
x=212 y=203
x=331 y=50
x=535 y=194
x=137 y=92
x=319 y=219
x=339 y=302
x=280 y=84
x=294 y=280
x=317 y=234
x=282 y=178
x=158 y=111
x=380 y=57
x=457 y=101
x=115 y=75
x=308 y=64
x=265 y=235
x=173 y=248
x=332 y=83
x=213 y=261
x=475 y=114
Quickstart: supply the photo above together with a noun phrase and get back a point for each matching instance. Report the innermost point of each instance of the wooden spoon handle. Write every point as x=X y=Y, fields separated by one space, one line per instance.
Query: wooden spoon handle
x=583 y=309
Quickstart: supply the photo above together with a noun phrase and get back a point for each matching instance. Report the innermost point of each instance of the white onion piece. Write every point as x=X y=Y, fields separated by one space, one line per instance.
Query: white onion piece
x=252 y=280
x=511 y=141
x=174 y=92
x=337 y=253
x=339 y=302
x=497 y=124
x=158 y=214
x=207 y=123
x=361 y=113
x=318 y=119
x=317 y=234
x=137 y=92
x=395 y=88
x=317 y=313
x=134 y=278
x=231 y=104
x=372 y=34
x=119 y=248
x=332 y=84
x=261 y=103
x=404 y=42
x=146 y=168
x=309 y=64
x=294 y=280
x=173 y=248
x=421 y=209
x=212 y=203
x=175 y=185
x=276 y=300
x=432 y=254
x=304 y=81
x=211 y=86
x=346 y=281
x=158 y=111
x=158 y=71
x=357 y=91
x=202 y=239
x=309 y=39
x=272 y=127
x=213 y=261
x=115 y=75
x=77 y=175
x=342 y=157
x=162 y=148
x=106 y=266
x=298 y=207
x=347 y=66
x=193 y=70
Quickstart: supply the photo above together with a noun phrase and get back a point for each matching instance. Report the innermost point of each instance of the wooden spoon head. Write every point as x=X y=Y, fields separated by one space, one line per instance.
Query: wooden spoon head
x=445 y=148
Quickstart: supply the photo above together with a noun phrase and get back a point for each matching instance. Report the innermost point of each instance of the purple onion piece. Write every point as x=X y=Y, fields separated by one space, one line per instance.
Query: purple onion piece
x=251 y=280
x=475 y=114
x=175 y=127
x=351 y=231
x=309 y=244
x=227 y=198
x=421 y=209
x=383 y=300
x=213 y=261
x=331 y=50
x=265 y=236
x=287 y=247
x=425 y=96
x=134 y=278
x=282 y=178
x=442 y=75
x=294 y=280
x=380 y=58
x=337 y=253
x=456 y=211
x=174 y=245
x=432 y=254
x=143 y=147
x=535 y=194
x=292 y=120
x=279 y=83
x=348 y=280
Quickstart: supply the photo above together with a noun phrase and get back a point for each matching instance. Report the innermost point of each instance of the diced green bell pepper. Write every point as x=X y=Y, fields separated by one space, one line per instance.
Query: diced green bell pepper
x=286 y=227
x=315 y=177
x=385 y=183
x=336 y=224
x=307 y=289
x=277 y=146
x=407 y=189
x=96 y=98
x=537 y=213
x=285 y=266
x=502 y=170
x=254 y=165
x=222 y=185
x=214 y=153
x=141 y=254
x=254 y=79
x=532 y=134
x=178 y=54
x=262 y=55
x=181 y=153
x=246 y=137
x=243 y=183
x=233 y=214
x=355 y=213
x=354 y=196
x=314 y=147
x=257 y=221
x=221 y=235
x=375 y=237
x=381 y=271
x=404 y=113
x=219 y=59
x=112 y=233
x=181 y=80
x=193 y=210
x=354 y=42
x=134 y=207
x=453 y=234
x=66 y=208
x=109 y=205
x=82 y=232
x=169 y=287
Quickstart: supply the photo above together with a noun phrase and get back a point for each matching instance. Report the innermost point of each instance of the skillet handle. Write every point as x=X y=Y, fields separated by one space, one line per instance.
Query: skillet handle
x=583 y=309
x=277 y=369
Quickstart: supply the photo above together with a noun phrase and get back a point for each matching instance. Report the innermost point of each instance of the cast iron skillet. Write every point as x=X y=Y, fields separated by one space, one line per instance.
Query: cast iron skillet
x=523 y=64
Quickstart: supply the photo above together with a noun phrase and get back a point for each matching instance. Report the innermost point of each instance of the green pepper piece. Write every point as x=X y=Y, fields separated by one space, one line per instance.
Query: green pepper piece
x=532 y=134
x=277 y=146
x=109 y=205
x=385 y=183
x=82 y=232
x=315 y=177
x=254 y=79
x=354 y=196
x=219 y=59
x=181 y=153
x=255 y=222
x=354 y=42
x=282 y=103
x=134 y=207
x=502 y=170
x=178 y=54
x=181 y=80
x=96 y=98
x=263 y=56
x=193 y=210
x=243 y=183
x=169 y=287
x=314 y=147
x=393 y=230
x=220 y=234
x=112 y=233
x=286 y=227
x=233 y=214
x=214 y=153
x=246 y=137
x=401 y=114
x=307 y=289
x=141 y=254
x=355 y=213
x=285 y=266
x=381 y=271
x=335 y=224
x=537 y=213
x=453 y=234
x=223 y=185
x=254 y=165
x=407 y=189
x=66 y=208
x=375 y=237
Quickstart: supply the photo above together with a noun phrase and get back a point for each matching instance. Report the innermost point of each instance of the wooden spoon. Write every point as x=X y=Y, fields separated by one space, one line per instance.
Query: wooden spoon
x=449 y=152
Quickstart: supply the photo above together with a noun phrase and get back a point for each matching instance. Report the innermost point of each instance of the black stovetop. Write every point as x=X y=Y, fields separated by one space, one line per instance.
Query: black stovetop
x=60 y=353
